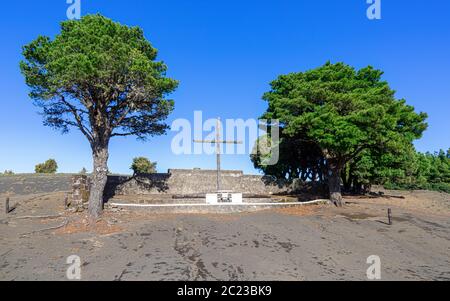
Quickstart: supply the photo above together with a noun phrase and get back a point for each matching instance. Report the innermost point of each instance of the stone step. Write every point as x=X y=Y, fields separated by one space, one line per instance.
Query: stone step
x=193 y=199
x=205 y=208
x=154 y=199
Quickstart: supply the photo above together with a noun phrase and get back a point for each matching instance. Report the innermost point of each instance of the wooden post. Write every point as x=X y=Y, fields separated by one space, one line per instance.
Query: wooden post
x=219 y=186
x=7 y=209
x=390 y=216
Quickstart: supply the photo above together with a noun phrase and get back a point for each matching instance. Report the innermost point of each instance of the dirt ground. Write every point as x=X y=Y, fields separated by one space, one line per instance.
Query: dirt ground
x=307 y=243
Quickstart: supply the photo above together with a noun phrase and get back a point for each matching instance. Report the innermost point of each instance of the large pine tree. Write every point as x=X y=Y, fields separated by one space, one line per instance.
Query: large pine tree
x=342 y=112
x=102 y=78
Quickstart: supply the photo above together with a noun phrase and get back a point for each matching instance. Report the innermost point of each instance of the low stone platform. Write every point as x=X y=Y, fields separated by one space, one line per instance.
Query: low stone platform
x=185 y=199
x=206 y=208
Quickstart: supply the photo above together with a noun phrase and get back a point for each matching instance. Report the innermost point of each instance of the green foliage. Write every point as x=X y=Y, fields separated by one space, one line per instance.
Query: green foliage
x=441 y=187
x=48 y=167
x=340 y=121
x=298 y=159
x=342 y=110
x=143 y=165
x=101 y=77
x=7 y=173
x=425 y=171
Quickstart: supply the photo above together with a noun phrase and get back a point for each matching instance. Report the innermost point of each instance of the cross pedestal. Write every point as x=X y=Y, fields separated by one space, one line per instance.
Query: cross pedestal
x=224 y=197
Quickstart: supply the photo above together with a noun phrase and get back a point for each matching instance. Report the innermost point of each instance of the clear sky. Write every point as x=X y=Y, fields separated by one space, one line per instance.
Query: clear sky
x=225 y=53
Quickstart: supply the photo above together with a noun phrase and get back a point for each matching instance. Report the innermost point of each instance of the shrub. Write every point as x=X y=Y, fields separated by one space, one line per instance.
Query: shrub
x=441 y=187
x=7 y=173
x=143 y=165
x=48 y=167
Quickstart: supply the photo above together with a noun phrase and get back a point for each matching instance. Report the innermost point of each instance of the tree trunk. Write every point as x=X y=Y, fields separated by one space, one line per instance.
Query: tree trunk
x=346 y=179
x=314 y=176
x=98 y=181
x=334 y=186
x=357 y=187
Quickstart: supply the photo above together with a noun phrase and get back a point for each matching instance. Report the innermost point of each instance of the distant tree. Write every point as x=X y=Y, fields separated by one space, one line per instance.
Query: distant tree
x=102 y=78
x=379 y=166
x=435 y=168
x=143 y=165
x=48 y=167
x=83 y=171
x=7 y=173
x=343 y=112
x=428 y=171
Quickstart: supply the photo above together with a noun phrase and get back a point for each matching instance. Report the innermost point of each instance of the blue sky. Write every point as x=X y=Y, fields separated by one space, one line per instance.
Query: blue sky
x=225 y=53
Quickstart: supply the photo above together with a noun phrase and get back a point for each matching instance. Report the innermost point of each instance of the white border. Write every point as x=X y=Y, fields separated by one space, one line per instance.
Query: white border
x=218 y=205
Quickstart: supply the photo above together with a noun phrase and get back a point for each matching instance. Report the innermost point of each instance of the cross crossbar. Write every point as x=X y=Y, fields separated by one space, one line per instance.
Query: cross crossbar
x=218 y=142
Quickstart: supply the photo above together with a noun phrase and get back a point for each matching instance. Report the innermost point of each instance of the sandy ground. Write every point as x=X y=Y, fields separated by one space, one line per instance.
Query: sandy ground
x=308 y=243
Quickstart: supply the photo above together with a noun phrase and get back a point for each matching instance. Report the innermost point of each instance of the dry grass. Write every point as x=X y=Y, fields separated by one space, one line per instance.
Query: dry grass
x=81 y=224
x=300 y=210
x=226 y=217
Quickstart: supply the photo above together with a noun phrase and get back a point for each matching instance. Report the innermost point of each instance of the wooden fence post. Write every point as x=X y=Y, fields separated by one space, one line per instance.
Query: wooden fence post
x=7 y=209
x=390 y=216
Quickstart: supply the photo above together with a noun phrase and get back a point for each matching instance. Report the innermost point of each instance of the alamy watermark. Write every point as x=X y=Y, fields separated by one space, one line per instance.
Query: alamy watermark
x=74 y=10
x=374 y=9
x=374 y=270
x=74 y=270
x=230 y=137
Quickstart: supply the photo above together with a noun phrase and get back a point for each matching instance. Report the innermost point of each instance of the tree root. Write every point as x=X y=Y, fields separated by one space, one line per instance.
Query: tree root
x=38 y=217
x=48 y=229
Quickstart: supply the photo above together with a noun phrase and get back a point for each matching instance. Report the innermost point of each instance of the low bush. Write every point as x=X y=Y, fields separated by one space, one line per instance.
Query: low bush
x=142 y=165
x=48 y=167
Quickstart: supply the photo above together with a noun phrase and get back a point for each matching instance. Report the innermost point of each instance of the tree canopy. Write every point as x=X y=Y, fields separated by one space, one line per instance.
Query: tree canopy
x=342 y=112
x=142 y=165
x=430 y=171
x=48 y=167
x=102 y=78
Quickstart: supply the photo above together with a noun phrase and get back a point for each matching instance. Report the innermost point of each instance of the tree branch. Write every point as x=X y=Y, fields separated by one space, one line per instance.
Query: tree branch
x=78 y=119
x=137 y=133
x=121 y=118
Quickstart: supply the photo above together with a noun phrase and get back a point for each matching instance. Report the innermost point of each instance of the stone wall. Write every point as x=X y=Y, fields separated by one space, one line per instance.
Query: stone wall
x=23 y=184
x=80 y=190
x=175 y=181
x=186 y=182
